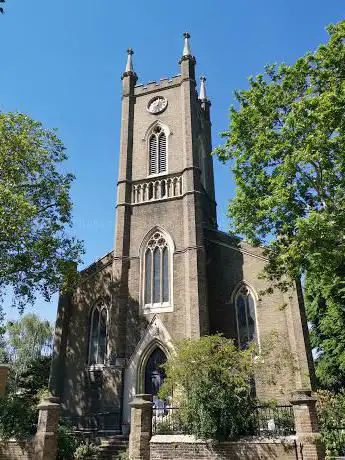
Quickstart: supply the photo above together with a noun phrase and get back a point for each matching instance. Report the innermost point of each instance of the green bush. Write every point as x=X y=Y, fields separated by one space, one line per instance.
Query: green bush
x=331 y=413
x=124 y=455
x=211 y=380
x=17 y=418
x=85 y=451
x=67 y=443
x=164 y=427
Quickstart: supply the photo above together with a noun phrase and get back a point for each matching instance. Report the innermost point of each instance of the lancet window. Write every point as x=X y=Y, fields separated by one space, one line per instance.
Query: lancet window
x=245 y=316
x=156 y=271
x=98 y=335
x=157 y=151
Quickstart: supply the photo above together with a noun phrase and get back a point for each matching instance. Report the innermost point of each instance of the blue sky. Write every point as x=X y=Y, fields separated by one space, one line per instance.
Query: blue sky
x=61 y=63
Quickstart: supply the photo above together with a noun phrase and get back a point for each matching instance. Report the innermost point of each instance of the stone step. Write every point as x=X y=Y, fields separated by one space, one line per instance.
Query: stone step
x=112 y=446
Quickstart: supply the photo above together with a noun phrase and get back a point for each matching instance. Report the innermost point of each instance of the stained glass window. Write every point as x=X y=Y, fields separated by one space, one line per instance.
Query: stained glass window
x=98 y=335
x=156 y=274
x=245 y=316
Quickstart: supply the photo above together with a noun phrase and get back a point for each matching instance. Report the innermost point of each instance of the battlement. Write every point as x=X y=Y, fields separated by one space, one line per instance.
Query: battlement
x=163 y=83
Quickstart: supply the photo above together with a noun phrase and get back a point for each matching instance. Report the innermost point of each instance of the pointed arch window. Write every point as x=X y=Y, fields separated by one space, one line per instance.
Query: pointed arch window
x=245 y=317
x=157 y=272
x=98 y=335
x=157 y=151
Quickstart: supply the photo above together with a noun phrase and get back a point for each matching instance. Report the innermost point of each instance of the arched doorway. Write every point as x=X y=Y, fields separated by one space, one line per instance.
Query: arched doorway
x=154 y=373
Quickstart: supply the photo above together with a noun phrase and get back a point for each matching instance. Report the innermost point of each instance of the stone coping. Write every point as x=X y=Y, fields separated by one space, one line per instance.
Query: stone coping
x=190 y=439
x=15 y=441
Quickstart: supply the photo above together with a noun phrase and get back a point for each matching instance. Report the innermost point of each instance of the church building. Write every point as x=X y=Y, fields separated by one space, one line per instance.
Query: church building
x=172 y=274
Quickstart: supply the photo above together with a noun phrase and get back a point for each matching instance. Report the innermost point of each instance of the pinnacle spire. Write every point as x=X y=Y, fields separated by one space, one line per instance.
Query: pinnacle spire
x=129 y=65
x=202 y=95
x=186 y=47
x=129 y=72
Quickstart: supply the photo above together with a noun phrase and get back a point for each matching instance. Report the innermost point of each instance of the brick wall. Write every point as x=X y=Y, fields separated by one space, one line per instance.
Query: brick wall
x=168 y=447
x=12 y=450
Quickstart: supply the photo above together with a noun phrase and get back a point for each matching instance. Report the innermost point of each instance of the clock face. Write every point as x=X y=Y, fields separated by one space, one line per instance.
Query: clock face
x=157 y=104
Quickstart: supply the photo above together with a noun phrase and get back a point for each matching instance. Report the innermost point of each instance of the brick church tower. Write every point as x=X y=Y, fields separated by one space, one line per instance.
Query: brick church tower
x=172 y=274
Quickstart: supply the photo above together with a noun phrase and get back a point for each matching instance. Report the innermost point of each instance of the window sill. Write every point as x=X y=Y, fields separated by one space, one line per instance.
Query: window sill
x=95 y=367
x=158 y=308
x=157 y=175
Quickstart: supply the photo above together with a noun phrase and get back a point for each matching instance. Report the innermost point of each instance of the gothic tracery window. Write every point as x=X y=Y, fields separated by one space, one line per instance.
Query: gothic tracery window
x=156 y=271
x=245 y=316
x=98 y=335
x=157 y=151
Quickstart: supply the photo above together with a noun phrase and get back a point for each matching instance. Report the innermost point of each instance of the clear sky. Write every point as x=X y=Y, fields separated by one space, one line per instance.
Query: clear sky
x=61 y=63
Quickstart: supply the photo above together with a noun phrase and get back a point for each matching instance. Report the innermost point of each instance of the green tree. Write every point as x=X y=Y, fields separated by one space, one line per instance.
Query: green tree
x=35 y=378
x=28 y=341
x=331 y=412
x=211 y=381
x=28 y=350
x=36 y=253
x=286 y=141
x=3 y=351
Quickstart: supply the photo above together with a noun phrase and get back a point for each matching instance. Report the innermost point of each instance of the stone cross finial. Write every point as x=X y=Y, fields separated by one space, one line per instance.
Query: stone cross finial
x=186 y=47
x=129 y=65
x=202 y=95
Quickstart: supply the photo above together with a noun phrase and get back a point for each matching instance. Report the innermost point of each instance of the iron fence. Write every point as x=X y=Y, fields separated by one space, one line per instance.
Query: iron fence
x=266 y=421
x=275 y=420
x=166 y=420
x=96 y=422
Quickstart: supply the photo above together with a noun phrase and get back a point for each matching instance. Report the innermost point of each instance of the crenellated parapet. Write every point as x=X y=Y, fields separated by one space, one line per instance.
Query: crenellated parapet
x=163 y=83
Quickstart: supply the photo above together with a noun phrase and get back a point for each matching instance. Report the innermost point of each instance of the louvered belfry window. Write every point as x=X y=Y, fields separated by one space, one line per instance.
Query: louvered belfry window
x=157 y=151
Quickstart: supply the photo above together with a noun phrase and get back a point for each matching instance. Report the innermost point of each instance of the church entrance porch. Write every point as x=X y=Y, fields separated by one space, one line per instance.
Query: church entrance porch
x=154 y=372
x=143 y=372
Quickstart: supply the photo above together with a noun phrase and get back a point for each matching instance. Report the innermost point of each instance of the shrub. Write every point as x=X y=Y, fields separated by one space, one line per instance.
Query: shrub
x=164 y=427
x=67 y=444
x=211 y=379
x=17 y=418
x=124 y=455
x=85 y=451
x=331 y=413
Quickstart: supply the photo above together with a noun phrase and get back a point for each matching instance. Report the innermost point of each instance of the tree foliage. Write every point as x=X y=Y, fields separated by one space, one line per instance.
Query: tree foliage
x=211 y=380
x=18 y=408
x=18 y=418
x=28 y=347
x=286 y=141
x=28 y=351
x=33 y=381
x=36 y=253
x=331 y=414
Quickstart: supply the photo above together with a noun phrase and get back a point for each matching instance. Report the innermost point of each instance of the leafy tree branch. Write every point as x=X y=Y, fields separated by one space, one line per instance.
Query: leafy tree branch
x=37 y=254
x=286 y=144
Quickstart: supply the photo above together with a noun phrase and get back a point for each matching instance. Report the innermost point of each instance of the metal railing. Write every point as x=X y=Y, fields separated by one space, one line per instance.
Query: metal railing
x=267 y=421
x=96 y=422
x=166 y=420
x=274 y=421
